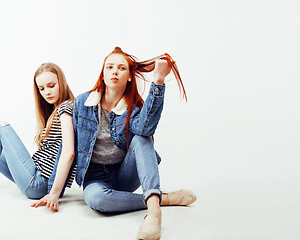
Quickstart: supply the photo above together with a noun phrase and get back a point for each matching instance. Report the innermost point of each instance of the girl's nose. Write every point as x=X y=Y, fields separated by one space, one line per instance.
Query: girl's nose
x=115 y=71
x=47 y=91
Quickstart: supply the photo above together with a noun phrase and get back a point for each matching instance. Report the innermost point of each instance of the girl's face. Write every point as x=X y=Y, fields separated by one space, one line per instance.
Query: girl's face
x=116 y=72
x=48 y=86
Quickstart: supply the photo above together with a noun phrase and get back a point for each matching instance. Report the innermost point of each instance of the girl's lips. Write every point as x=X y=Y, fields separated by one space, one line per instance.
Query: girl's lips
x=114 y=79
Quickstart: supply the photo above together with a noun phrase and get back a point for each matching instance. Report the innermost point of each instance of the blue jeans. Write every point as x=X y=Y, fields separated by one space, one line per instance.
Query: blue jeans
x=17 y=165
x=109 y=188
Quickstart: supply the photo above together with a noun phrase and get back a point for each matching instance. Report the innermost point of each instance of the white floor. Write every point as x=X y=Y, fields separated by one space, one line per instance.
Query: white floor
x=235 y=143
x=222 y=211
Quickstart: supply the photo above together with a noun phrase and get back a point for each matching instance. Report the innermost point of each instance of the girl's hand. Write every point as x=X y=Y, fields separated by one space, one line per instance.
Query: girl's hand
x=50 y=201
x=161 y=70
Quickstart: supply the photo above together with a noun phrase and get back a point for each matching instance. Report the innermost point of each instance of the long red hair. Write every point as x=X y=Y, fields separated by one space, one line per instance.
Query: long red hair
x=136 y=69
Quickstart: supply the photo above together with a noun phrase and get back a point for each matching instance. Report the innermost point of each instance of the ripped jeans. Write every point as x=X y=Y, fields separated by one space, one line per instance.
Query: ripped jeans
x=17 y=165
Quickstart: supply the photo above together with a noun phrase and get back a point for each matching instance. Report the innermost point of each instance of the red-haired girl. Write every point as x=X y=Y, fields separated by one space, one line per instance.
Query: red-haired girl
x=114 y=150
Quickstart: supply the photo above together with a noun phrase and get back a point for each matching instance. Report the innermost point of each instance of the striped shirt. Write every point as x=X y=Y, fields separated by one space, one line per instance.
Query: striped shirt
x=45 y=157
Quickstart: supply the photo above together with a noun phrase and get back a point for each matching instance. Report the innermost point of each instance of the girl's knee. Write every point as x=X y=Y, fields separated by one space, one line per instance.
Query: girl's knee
x=34 y=194
x=97 y=199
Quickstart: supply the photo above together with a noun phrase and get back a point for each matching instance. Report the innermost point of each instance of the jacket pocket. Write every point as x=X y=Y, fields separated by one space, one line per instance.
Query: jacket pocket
x=84 y=138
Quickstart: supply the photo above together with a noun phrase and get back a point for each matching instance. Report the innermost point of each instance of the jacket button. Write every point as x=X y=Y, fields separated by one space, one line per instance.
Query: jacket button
x=113 y=129
x=117 y=142
x=156 y=89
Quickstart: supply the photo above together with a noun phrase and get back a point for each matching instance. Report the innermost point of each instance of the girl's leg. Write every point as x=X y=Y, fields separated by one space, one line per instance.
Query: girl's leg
x=140 y=167
x=20 y=164
x=116 y=194
x=100 y=193
x=101 y=196
x=4 y=168
x=129 y=178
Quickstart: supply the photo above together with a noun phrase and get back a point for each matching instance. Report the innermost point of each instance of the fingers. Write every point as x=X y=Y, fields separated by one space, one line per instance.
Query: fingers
x=161 y=70
x=162 y=63
x=38 y=203
x=162 y=67
x=51 y=205
x=55 y=207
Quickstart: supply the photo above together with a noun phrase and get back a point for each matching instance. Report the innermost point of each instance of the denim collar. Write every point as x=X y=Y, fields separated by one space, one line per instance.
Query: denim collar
x=95 y=97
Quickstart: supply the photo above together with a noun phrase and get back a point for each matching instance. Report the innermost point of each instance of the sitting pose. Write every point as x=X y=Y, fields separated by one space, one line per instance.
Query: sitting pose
x=114 y=150
x=54 y=109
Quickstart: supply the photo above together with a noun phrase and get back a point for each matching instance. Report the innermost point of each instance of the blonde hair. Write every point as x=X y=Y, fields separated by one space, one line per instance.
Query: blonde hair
x=46 y=112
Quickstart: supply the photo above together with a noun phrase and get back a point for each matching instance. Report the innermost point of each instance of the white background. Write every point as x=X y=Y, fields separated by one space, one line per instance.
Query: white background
x=235 y=140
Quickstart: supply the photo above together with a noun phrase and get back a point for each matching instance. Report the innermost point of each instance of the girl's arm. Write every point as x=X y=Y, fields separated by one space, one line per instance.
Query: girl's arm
x=145 y=122
x=64 y=164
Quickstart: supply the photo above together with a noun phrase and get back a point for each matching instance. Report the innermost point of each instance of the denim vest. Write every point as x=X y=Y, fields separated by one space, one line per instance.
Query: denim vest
x=143 y=122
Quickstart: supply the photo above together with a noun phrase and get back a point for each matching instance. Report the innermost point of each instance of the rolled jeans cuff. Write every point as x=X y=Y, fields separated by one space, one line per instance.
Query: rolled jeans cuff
x=151 y=192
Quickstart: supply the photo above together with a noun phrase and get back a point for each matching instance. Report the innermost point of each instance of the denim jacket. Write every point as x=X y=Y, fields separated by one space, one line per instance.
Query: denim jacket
x=143 y=122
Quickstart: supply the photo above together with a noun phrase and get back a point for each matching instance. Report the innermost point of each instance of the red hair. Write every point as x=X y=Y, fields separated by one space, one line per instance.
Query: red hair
x=136 y=69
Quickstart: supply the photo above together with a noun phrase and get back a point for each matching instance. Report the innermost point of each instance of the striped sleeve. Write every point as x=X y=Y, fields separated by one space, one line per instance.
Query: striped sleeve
x=65 y=107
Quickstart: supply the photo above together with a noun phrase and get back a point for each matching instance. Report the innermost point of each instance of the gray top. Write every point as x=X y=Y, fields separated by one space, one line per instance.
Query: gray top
x=105 y=151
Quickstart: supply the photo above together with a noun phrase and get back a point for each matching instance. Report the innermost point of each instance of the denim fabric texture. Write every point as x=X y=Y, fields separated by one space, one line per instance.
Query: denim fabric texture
x=143 y=122
x=109 y=188
x=86 y=121
x=17 y=165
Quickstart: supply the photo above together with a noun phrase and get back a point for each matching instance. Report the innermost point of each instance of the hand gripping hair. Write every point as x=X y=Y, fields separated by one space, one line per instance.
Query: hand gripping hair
x=148 y=65
x=136 y=69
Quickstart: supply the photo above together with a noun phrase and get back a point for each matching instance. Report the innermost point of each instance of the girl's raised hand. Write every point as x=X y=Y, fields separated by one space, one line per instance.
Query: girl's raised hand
x=161 y=70
x=50 y=201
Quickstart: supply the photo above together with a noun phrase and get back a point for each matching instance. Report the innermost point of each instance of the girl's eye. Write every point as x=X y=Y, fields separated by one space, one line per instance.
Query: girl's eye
x=122 y=68
x=41 y=89
x=108 y=67
x=52 y=86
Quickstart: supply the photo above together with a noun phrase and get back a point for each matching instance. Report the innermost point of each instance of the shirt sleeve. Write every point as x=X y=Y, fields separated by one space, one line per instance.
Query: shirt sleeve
x=65 y=107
